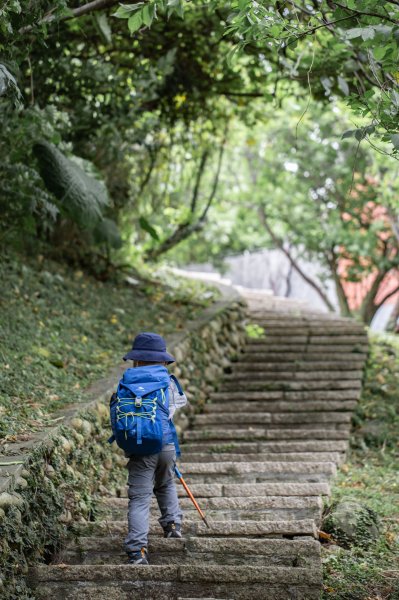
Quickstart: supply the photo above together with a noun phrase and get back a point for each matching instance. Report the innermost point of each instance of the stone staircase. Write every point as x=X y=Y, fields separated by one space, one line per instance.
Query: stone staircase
x=258 y=459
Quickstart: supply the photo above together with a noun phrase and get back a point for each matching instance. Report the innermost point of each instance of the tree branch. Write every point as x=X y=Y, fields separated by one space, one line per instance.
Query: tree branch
x=147 y=176
x=387 y=296
x=79 y=11
x=279 y=243
x=200 y=173
x=217 y=175
x=365 y=14
x=313 y=29
x=184 y=230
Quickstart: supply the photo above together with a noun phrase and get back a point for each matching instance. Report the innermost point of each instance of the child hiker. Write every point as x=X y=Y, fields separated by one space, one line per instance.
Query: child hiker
x=141 y=416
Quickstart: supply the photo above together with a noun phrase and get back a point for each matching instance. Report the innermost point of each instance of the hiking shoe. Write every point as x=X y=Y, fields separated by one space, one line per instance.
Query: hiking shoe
x=138 y=558
x=172 y=530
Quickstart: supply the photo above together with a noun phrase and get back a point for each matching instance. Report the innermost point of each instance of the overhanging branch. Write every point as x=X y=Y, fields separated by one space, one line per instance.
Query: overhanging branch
x=79 y=11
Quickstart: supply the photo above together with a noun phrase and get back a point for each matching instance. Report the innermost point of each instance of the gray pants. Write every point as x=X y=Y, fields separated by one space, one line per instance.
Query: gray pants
x=148 y=474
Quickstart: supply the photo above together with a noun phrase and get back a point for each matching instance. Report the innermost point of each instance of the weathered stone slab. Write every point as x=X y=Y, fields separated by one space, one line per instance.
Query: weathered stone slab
x=254 y=528
x=206 y=457
x=249 y=574
x=277 y=366
x=285 y=356
x=137 y=590
x=250 y=434
x=239 y=418
x=286 y=395
x=272 y=406
x=285 y=446
x=275 y=489
x=306 y=349
x=290 y=385
x=306 y=338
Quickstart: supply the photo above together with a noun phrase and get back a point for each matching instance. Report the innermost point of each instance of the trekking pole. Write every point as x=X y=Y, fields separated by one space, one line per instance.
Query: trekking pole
x=193 y=500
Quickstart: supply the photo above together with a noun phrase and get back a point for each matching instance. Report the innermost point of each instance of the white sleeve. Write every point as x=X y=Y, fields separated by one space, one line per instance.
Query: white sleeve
x=175 y=399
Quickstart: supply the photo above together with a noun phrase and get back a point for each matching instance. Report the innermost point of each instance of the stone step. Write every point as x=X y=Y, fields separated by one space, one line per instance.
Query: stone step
x=108 y=582
x=333 y=428
x=301 y=552
x=229 y=490
x=222 y=528
x=276 y=447
x=219 y=503
x=280 y=418
x=242 y=468
x=298 y=366
x=259 y=385
x=286 y=395
x=270 y=513
x=210 y=457
x=281 y=318
x=251 y=434
x=292 y=375
x=306 y=339
x=305 y=349
x=285 y=356
x=278 y=406
x=231 y=516
x=284 y=477
x=308 y=330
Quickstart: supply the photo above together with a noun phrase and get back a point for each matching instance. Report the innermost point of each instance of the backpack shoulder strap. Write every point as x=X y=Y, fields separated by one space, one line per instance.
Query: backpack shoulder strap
x=176 y=381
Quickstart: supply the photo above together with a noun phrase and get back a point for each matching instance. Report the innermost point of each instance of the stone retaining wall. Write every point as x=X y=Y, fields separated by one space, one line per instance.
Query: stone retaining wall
x=53 y=479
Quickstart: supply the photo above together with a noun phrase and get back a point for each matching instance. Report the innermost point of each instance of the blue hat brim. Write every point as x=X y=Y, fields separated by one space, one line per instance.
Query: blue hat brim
x=150 y=356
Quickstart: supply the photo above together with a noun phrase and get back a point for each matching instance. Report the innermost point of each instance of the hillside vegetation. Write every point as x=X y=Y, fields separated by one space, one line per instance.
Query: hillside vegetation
x=370 y=477
x=61 y=329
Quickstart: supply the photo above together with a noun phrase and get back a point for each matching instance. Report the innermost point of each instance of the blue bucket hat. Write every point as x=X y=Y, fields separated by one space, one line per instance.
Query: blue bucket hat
x=149 y=347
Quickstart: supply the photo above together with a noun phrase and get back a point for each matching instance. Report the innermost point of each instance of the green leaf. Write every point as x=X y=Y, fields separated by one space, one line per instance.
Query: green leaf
x=231 y=55
x=343 y=86
x=379 y=52
x=147 y=17
x=348 y=134
x=368 y=33
x=395 y=140
x=125 y=10
x=175 y=6
x=353 y=33
x=135 y=22
x=79 y=195
x=144 y=224
x=104 y=27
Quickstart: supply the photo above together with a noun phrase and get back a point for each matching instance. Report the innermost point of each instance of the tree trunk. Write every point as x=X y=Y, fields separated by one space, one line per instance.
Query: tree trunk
x=339 y=288
x=368 y=307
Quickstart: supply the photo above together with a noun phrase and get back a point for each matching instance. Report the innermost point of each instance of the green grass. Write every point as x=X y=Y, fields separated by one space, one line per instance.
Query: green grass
x=61 y=329
x=371 y=476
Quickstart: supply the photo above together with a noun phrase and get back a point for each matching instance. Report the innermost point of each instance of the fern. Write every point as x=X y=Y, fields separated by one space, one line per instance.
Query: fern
x=107 y=232
x=79 y=196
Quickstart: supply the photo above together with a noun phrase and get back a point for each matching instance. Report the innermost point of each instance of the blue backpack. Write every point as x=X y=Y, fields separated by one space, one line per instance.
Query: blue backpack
x=139 y=411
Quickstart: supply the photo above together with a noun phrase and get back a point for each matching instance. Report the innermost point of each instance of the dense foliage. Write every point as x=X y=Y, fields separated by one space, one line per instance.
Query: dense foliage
x=169 y=105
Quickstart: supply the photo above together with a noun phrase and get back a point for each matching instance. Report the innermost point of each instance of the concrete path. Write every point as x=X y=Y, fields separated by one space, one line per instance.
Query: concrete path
x=259 y=460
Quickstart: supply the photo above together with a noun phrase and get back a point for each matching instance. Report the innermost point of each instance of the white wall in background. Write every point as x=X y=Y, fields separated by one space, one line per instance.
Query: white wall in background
x=271 y=270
